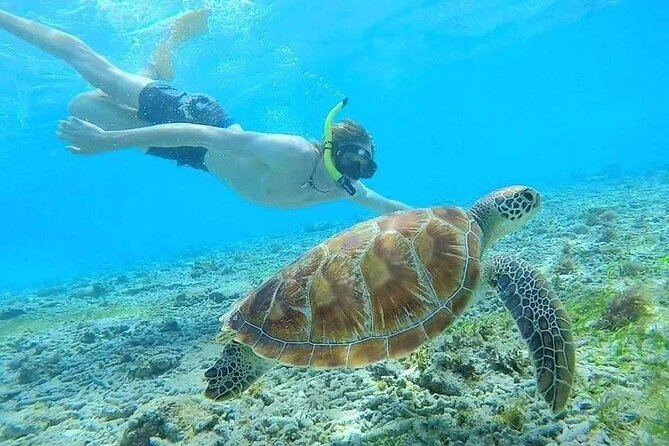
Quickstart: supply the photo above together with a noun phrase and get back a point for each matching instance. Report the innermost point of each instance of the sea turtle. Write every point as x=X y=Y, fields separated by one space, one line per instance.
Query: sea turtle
x=386 y=286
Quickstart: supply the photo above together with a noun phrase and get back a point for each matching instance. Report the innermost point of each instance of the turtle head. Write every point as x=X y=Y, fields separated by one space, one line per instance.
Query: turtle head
x=505 y=210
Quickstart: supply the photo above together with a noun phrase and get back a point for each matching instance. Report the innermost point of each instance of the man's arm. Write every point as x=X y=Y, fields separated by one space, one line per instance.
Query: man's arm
x=87 y=138
x=371 y=200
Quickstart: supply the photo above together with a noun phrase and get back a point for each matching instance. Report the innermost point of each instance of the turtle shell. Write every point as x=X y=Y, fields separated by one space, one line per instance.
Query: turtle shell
x=378 y=290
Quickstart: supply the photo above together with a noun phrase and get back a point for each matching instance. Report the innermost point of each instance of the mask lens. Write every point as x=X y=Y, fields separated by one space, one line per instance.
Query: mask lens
x=356 y=162
x=367 y=168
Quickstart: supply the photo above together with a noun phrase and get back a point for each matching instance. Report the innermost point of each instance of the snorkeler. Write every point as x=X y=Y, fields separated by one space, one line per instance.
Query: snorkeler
x=142 y=110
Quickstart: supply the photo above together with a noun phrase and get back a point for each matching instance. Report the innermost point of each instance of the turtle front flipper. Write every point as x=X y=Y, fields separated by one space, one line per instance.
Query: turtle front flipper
x=543 y=324
x=236 y=369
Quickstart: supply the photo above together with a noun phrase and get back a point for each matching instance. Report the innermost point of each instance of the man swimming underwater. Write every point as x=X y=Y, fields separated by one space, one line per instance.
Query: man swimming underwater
x=142 y=110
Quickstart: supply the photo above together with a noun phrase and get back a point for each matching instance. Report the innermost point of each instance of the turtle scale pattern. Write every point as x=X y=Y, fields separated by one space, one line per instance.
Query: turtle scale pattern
x=377 y=291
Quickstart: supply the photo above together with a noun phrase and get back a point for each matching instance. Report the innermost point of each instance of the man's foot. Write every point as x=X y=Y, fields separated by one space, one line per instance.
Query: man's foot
x=190 y=24
x=185 y=27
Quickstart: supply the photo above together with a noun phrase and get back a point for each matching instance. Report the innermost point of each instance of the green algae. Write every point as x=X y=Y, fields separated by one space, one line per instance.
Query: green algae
x=638 y=354
x=588 y=308
x=664 y=262
x=514 y=415
x=634 y=350
x=43 y=322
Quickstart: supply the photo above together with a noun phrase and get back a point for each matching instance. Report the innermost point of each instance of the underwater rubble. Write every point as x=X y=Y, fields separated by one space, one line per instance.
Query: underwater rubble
x=118 y=360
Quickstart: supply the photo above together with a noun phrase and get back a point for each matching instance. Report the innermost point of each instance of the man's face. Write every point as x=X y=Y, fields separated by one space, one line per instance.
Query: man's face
x=356 y=161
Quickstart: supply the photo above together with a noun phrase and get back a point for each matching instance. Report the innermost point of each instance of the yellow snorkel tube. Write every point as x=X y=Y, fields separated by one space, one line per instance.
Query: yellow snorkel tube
x=330 y=167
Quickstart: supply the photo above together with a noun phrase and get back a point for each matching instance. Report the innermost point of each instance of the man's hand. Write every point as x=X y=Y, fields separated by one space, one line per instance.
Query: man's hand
x=371 y=200
x=85 y=138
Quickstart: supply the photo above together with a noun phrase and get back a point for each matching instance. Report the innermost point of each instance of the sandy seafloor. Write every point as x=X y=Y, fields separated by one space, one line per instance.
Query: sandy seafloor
x=118 y=359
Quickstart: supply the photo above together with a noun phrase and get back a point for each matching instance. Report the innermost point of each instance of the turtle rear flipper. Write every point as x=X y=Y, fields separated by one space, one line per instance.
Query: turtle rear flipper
x=543 y=324
x=236 y=369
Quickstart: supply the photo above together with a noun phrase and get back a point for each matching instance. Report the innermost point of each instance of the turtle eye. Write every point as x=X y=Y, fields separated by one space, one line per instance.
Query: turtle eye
x=528 y=196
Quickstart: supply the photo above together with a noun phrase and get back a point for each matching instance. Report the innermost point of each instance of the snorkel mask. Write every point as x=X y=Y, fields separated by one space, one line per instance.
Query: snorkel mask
x=351 y=160
x=354 y=161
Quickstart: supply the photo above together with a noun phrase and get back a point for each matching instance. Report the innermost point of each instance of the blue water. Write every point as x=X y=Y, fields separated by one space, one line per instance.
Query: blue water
x=461 y=97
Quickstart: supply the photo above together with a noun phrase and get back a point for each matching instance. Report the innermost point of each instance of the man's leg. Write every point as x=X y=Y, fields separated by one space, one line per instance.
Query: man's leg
x=185 y=27
x=120 y=86
x=99 y=109
x=96 y=107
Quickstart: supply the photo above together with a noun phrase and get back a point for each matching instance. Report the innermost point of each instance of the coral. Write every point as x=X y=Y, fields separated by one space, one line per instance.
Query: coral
x=607 y=235
x=625 y=268
x=220 y=297
x=88 y=337
x=99 y=290
x=460 y=364
x=567 y=247
x=631 y=268
x=175 y=419
x=599 y=215
x=565 y=265
x=592 y=220
x=624 y=308
x=156 y=365
x=513 y=416
x=608 y=215
x=420 y=358
x=507 y=358
x=168 y=325
x=76 y=372
x=217 y=296
x=580 y=229
x=11 y=313
x=441 y=382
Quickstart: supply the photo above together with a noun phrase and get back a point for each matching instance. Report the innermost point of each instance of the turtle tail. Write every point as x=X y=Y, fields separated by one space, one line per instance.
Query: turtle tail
x=543 y=324
x=234 y=372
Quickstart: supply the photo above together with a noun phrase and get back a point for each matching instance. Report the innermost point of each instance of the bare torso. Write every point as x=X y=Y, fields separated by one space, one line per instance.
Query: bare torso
x=291 y=186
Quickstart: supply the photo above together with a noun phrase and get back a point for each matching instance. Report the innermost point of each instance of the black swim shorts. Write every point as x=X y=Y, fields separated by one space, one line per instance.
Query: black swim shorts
x=160 y=103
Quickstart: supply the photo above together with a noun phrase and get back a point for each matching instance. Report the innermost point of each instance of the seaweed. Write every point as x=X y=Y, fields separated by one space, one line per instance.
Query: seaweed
x=624 y=308
x=514 y=415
